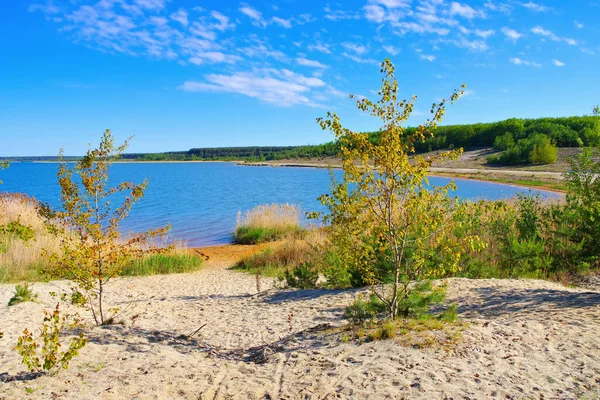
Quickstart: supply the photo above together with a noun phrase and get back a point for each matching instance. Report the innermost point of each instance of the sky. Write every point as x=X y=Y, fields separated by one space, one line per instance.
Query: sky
x=179 y=74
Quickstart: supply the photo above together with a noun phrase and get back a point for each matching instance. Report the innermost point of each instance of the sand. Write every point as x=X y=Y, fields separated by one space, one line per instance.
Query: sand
x=525 y=339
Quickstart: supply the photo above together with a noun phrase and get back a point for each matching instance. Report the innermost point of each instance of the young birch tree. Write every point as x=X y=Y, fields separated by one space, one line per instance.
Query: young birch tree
x=383 y=216
x=92 y=250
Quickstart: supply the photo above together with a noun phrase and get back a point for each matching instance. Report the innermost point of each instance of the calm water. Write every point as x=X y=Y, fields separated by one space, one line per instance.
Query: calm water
x=201 y=200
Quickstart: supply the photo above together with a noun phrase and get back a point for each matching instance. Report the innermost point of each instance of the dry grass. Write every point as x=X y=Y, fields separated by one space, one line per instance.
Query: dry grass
x=24 y=260
x=288 y=254
x=278 y=216
x=19 y=260
x=266 y=223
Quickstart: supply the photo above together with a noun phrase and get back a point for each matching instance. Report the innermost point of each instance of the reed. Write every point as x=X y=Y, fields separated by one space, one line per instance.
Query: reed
x=25 y=261
x=266 y=223
x=22 y=260
x=289 y=254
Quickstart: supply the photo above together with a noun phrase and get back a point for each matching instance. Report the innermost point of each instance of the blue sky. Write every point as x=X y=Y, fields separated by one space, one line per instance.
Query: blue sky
x=179 y=74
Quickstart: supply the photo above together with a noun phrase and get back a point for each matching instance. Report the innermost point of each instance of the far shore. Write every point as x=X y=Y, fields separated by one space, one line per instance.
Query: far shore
x=484 y=175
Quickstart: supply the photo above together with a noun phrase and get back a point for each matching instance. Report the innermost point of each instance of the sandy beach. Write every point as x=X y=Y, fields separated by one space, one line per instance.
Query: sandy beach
x=524 y=339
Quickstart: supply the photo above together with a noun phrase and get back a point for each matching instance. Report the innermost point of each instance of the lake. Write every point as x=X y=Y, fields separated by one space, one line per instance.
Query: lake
x=201 y=200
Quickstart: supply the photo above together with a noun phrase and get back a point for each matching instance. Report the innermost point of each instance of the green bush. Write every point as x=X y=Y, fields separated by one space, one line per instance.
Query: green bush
x=362 y=310
x=504 y=142
x=50 y=360
x=22 y=294
x=543 y=153
x=536 y=148
x=303 y=276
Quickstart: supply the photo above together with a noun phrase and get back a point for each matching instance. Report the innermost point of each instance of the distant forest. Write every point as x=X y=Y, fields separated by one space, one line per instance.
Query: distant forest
x=563 y=132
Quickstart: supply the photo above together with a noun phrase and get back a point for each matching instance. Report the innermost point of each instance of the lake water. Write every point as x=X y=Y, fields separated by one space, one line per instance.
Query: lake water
x=201 y=200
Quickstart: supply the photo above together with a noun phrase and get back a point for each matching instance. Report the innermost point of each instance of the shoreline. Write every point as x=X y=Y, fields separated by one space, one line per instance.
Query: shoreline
x=457 y=173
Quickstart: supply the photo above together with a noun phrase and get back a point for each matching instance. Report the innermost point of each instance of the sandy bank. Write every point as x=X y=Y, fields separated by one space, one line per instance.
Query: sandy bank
x=527 y=339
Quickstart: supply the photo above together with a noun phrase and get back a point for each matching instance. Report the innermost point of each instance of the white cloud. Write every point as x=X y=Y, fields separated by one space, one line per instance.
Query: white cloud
x=180 y=16
x=511 y=33
x=310 y=63
x=223 y=21
x=213 y=57
x=500 y=7
x=262 y=51
x=393 y=3
x=282 y=22
x=48 y=8
x=322 y=47
x=578 y=25
x=339 y=15
x=471 y=45
x=151 y=4
x=355 y=48
x=375 y=13
x=391 y=50
x=484 y=34
x=535 y=7
x=279 y=87
x=538 y=30
x=519 y=61
x=427 y=57
x=464 y=10
x=254 y=15
x=558 y=63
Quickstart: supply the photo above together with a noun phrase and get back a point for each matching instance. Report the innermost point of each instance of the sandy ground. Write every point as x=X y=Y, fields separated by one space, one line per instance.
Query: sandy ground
x=525 y=340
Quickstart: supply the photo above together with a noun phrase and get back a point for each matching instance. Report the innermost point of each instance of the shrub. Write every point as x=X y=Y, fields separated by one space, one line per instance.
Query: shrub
x=536 y=148
x=42 y=354
x=583 y=200
x=386 y=330
x=504 y=142
x=267 y=223
x=22 y=294
x=543 y=153
x=361 y=310
x=304 y=276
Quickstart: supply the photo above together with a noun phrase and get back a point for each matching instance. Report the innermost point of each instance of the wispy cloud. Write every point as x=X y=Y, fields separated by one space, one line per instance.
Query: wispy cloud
x=511 y=34
x=280 y=87
x=426 y=57
x=340 y=15
x=519 y=61
x=578 y=25
x=538 y=30
x=391 y=50
x=535 y=7
x=465 y=11
x=310 y=63
x=558 y=63
x=282 y=22
x=180 y=16
x=254 y=15
x=322 y=47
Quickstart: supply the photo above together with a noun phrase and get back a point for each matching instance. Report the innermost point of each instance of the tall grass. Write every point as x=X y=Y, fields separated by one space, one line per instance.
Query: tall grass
x=156 y=264
x=24 y=260
x=266 y=223
x=288 y=255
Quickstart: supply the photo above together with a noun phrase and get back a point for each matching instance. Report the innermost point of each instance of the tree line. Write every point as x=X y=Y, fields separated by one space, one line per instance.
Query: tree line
x=576 y=131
